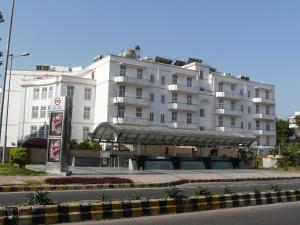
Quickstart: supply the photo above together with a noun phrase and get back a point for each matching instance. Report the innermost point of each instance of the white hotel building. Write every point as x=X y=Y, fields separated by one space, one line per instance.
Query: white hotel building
x=130 y=90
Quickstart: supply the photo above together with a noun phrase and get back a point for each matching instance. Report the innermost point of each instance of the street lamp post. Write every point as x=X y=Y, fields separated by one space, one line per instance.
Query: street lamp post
x=7 y=102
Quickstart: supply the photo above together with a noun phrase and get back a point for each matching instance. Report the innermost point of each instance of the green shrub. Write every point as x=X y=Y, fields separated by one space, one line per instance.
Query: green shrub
x=174 y=192
x=19 y=156
x=227 y=190
x=274 y=187
x=40 y=197
x=200 y=191
x=103 y=197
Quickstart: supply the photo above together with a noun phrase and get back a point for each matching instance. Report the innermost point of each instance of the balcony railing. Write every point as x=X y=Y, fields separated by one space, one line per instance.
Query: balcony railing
x=227 y=94
x=130 y=120
x=231 y=112
x=182 y=106
x=269 y=101
x=183 y=88
x=183 y=125
x=132 y=80
x=264 y=116
x=229 y=129
x=131 y=101
x=264 y=132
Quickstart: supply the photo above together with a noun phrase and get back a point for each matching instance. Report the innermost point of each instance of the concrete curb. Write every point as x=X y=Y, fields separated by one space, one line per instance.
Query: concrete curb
x=26 y=188
x=76 y=212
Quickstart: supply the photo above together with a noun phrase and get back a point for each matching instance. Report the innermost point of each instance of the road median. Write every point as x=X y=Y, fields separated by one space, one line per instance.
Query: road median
x=96 y=210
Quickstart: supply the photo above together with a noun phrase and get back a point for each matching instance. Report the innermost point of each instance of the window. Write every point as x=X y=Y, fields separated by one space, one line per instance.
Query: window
x=122 y=70
x=267 y=140
x=36 y=93
x=138 y=112
x=122 y=89
x=162 y=99
x=220 y=86
x=139 y=92
x=86 y=112
x=201 y=75
x=249 y=94
x=85 y=132
x=242 y=125
x=48 y=111
x=189 y=99
x=241 y=92
x=163 y=81
x=33 y=131
x=121 y=111
x=93 y=75
x=268 y=110
x=152 y=78
x=242 y=108
x=35 y=112
x=151 y=97
x=174 y=97
x=151 y=116
x=249 y=109
x=162 y=118
x=220 y=121
x=70 y=91
x=50 y=92
x=258 y=140
x=256 y=93
x=174 y=79
x=189 y=81
x=41 y=131
x=139 y=74
x=46 y=130
x=189 y=118
x=202 y=112
x=267 y=94
x=44 y=93
x=232 y=87
x=232 y=103
x=232 y=122
x=87 y=93
x=43 y=112
x=267 y=126
x=174 y=116
x=249 y=126
x=221 y=104
x=257 y=124
x=256 y=108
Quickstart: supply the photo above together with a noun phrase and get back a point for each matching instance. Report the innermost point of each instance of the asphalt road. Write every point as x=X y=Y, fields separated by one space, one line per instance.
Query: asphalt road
x=277 y=214
x=214 y=187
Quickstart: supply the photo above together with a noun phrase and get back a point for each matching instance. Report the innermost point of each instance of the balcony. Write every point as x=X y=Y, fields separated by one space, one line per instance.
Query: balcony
x=229 y=129
x=264 y=116
x=264 y=132
x=268 y=101
x=183 y=88
x=130 y=121
x=131 y=101
x=183 y=125
x=132 y=80
x=182 y=106
x=230 y=112
x=229 y=95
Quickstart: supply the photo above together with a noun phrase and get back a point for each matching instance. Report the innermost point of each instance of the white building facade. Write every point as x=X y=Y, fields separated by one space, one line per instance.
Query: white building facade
x=146 y=92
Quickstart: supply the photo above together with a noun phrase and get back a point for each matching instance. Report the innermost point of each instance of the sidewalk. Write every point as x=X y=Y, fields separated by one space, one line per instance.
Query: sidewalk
x=158 y=176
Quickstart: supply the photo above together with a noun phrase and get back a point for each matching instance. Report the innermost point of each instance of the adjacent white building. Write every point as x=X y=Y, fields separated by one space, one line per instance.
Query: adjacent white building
x=155 y=91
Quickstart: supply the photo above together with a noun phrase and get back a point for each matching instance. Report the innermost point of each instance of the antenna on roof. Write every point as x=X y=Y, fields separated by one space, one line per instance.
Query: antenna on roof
x=138 y=51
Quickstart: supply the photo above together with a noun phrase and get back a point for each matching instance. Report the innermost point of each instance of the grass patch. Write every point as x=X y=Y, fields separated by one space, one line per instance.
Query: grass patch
x=10 y=170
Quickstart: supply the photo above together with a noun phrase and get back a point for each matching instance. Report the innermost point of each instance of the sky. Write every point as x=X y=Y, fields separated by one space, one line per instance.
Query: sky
x=260 y=39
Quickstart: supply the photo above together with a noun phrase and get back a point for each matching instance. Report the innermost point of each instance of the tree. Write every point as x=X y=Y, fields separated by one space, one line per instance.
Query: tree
x=283 y=132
